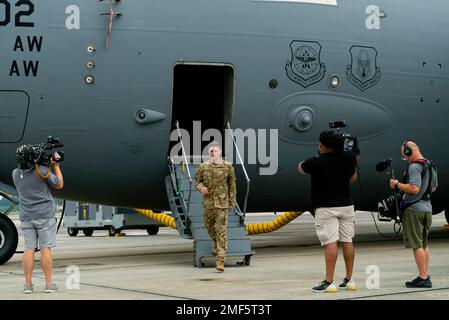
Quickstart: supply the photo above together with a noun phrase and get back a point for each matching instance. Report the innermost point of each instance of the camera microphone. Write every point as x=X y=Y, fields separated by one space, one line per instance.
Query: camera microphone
x=383 y=165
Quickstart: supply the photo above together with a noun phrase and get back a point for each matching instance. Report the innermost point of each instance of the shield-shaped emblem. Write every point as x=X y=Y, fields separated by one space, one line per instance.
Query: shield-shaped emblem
x=305 y=66
x=363 y=71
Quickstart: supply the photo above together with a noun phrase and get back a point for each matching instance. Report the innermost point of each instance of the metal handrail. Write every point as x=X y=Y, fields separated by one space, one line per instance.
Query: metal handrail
x=187 y=165
x=248 y=181
x=173 y=174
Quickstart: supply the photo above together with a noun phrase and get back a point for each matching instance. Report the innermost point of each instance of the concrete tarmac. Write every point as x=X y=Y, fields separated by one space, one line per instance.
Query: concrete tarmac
x=287 y=263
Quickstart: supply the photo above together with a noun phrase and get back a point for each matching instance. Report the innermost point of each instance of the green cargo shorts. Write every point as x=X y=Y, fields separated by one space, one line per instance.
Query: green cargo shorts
x=416 y=228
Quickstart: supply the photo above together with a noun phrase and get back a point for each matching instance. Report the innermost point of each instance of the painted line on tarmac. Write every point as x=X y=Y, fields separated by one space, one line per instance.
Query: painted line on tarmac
x=116 y=288
x=136 y=291
x=397 y=293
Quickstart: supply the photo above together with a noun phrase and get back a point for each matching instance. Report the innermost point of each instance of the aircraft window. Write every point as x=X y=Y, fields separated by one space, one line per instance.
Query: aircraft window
x=325 y=2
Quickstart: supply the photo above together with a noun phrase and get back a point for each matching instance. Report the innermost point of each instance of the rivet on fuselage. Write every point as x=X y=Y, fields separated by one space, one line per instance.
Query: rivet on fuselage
x=89 y=79
x=91 y=49
x=90 y=64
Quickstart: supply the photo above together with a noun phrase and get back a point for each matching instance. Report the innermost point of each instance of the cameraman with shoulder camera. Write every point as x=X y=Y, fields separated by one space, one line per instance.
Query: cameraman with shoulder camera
x=37 y=211
x=420 y=180
x=331 y=173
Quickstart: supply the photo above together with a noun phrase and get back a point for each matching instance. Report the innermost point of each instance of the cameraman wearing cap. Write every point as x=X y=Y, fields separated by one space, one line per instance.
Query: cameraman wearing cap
x=331 y=173
x=420 y=180
x=37 y=212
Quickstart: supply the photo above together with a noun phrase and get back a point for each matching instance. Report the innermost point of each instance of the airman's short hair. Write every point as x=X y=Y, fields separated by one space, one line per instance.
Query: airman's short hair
x=214 y=144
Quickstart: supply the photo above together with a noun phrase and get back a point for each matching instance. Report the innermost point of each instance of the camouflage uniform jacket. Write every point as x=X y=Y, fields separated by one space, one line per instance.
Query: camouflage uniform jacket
x=219 y=179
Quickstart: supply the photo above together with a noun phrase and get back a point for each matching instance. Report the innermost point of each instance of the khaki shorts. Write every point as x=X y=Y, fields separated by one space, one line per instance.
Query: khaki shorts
x=416 y=228
x=335 y=224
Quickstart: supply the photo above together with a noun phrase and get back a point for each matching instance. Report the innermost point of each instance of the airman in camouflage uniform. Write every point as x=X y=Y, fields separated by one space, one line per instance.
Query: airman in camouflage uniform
x=215 y=179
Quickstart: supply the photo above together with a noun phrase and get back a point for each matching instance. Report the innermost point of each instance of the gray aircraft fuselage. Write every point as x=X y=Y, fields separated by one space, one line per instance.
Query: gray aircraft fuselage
x=393 y=85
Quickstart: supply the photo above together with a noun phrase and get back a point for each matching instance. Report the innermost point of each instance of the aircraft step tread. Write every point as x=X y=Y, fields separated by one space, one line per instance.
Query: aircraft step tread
x=187 y=210
x=236 y=248
x=233 y=233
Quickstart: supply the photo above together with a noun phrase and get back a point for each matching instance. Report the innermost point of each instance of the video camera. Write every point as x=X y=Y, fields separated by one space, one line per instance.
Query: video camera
x=389 y=208
x=40 y=154
x=349 y=146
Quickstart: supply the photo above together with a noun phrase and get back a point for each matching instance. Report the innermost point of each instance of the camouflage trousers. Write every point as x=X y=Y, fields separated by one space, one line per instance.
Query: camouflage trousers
x=216 y=223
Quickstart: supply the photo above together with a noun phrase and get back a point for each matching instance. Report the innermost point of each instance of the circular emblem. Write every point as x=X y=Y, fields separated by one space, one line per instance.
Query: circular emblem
x=306 y=60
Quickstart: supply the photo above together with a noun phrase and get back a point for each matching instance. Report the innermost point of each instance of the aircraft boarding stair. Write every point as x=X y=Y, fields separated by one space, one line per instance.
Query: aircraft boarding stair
x=187 y=210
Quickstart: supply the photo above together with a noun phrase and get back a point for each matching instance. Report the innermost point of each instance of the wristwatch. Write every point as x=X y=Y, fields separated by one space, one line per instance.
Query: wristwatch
x=396 y=184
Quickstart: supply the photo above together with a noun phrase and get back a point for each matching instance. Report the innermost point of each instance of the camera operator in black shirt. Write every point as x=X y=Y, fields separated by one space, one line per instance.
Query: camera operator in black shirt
x=331 y=173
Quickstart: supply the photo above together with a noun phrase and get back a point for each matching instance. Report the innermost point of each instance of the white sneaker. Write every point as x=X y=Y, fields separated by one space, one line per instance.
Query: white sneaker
x=348 y=285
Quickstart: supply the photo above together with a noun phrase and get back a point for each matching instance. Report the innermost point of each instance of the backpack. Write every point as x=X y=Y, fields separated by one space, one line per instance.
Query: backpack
x=426 y=165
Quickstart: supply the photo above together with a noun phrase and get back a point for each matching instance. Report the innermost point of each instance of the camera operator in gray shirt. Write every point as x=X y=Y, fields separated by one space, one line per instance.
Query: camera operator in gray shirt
x=37 y=212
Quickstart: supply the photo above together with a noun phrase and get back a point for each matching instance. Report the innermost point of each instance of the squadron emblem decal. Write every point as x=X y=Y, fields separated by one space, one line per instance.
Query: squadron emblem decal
x=363 y=71
x=305 y=67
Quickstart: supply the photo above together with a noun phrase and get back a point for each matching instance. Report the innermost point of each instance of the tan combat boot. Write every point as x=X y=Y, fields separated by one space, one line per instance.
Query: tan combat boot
x=219 y=265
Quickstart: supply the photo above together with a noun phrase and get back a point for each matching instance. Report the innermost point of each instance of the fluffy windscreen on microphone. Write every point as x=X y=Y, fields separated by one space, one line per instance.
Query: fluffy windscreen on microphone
x=383 y=165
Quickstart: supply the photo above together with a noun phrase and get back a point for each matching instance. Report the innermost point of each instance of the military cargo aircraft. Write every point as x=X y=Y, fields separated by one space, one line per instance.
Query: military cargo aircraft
x=113 y=78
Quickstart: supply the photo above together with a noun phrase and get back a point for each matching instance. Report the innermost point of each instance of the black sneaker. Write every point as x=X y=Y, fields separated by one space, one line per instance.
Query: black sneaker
x=325 y=286
x=419 y=283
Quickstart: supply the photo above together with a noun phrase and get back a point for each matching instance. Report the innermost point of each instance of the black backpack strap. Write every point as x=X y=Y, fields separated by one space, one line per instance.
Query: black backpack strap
x=429 y=167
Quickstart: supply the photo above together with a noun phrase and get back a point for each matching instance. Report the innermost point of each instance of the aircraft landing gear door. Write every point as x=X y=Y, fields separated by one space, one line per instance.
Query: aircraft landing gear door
x=203 y=98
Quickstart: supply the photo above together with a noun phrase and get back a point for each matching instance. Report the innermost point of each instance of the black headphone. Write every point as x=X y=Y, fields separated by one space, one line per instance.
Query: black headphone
x=407 y=150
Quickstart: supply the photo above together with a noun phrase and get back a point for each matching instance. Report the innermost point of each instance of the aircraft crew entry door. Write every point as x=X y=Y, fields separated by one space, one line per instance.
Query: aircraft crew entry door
x=13 y=115
x=203 y=95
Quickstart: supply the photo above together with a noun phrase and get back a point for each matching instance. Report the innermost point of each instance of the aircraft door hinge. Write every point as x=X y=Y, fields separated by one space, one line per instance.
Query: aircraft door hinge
x=112 y=14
